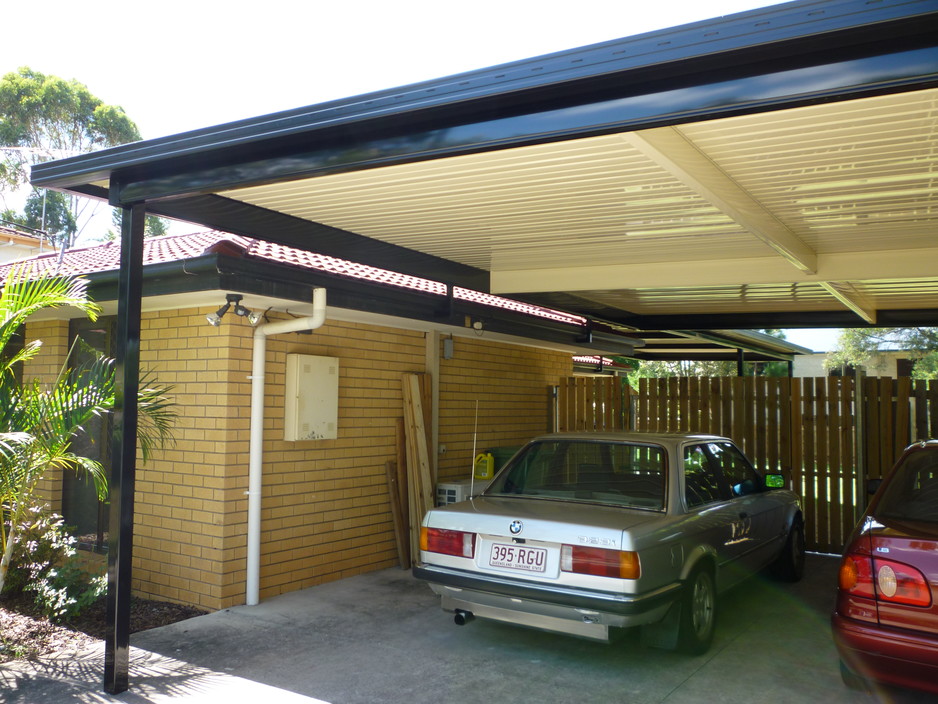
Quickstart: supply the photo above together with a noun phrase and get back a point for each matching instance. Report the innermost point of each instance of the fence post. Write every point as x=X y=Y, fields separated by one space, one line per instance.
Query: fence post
x=859 y=425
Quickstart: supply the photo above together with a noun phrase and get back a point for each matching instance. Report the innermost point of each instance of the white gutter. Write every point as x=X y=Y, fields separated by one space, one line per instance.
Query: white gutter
x=256 y=452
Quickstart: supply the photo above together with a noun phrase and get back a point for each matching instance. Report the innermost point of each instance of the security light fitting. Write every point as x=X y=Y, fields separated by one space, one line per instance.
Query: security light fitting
x=214 y=319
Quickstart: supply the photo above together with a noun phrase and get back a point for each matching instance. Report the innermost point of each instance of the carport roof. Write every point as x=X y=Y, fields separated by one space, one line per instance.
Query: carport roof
x=775 y=168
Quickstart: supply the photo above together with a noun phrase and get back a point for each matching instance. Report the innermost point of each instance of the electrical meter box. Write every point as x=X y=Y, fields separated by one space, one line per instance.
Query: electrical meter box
x=311 y=398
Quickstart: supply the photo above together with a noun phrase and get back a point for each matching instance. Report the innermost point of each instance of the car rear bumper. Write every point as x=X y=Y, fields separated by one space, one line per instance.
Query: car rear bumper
x=580 y=612
x=890 y=655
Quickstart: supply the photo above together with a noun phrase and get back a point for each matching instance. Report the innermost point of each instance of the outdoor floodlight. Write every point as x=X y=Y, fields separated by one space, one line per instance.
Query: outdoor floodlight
x=214 y=319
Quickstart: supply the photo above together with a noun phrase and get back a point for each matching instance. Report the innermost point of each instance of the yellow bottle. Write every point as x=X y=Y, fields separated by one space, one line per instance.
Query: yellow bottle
x=484 y=468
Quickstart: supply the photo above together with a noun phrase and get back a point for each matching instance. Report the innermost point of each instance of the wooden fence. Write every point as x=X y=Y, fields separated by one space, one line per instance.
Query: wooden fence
x=830 y=434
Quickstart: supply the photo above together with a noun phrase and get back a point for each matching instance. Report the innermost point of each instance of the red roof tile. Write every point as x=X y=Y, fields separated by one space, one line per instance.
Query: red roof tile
x=157 y=250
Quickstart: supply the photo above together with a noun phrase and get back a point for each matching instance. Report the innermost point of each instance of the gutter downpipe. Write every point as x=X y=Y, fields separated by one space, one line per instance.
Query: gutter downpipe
x=256 y=452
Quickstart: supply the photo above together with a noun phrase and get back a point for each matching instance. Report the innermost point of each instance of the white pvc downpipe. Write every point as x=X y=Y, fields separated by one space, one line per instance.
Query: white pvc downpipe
x=256 y=452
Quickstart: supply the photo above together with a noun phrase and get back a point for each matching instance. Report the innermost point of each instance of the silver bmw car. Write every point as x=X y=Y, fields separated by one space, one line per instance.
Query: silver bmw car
x=582 y=533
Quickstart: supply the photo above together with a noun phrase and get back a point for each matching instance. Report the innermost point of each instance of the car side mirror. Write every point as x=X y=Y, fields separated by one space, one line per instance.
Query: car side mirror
x=774 y=481
x=872 y=486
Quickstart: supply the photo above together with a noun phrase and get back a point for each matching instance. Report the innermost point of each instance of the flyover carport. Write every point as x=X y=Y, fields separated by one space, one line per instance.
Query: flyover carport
x=774 y=168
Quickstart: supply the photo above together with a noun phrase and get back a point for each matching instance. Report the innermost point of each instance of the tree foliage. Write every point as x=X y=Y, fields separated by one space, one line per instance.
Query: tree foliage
x=49 y=212
x=862 y=346
x=45 y=117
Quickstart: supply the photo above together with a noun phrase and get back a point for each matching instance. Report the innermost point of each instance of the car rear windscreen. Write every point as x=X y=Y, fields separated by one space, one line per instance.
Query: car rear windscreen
x=912 y=493
x=622 y=474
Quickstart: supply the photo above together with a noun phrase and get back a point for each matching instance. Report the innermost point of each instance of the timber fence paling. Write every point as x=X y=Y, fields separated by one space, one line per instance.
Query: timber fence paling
x=809 y=461
x=822 y=466
x=920 y=390
x=933 y=406
x=761 y=419
x=903 y=415
x=841 y=477
x=834 y=470
x=796 y=428
x=887 y=424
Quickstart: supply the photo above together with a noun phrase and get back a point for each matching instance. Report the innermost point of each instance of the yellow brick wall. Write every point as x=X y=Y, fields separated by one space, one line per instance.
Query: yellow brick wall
x=510 y=384
x=325 y=511
x=188 y=496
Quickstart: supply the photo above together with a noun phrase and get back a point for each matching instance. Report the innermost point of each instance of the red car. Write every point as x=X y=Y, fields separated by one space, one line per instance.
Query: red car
x=886 y=621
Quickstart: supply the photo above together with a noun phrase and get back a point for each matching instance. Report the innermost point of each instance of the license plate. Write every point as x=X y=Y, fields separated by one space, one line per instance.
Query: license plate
x=518 y=557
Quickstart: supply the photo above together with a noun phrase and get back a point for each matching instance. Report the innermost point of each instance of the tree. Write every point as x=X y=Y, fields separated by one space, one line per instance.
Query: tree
x=38 y=424
x=49 y=212
x=860 y=347
x=45 y=117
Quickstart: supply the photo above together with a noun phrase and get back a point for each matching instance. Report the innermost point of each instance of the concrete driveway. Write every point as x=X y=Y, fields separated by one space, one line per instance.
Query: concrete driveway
x=381 y=637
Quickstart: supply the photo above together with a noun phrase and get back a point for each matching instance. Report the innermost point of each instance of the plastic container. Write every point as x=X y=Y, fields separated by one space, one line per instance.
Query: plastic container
x=484 y=466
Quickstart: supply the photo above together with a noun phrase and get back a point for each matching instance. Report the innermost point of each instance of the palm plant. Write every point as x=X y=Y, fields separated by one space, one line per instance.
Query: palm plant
x=38 y=423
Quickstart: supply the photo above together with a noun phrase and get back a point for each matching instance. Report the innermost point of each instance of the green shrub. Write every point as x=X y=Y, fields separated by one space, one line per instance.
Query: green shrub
x=44 y=564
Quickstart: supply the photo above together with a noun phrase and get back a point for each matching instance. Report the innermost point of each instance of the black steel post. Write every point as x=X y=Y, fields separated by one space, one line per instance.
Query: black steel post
x=740 y=361
x=124 y=457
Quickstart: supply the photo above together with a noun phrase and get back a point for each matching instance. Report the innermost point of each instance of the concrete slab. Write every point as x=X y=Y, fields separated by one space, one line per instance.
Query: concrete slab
x=381 y=637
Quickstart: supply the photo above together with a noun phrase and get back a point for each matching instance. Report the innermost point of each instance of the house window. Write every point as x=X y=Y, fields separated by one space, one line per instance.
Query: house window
x=83 y=513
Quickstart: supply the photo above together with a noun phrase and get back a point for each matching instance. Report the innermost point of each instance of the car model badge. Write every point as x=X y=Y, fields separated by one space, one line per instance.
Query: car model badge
x=516 y=527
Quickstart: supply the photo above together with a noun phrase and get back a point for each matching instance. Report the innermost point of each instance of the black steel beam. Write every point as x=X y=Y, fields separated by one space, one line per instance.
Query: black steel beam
x=729 y=355
x=124 y=458
x=768 y=319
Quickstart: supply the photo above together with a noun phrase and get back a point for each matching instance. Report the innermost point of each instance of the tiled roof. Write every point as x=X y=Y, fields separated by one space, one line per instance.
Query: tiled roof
x=9 y=231
x=170 y=248
x=599 y=361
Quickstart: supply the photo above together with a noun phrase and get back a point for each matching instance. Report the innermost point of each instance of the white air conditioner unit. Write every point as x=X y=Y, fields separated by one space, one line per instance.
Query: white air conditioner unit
x=453 y=492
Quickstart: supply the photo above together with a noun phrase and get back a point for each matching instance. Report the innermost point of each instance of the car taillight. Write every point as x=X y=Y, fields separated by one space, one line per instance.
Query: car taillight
x=447 y=542
x=856 y=575
x=901 y=584
x=894 y=582
x=601 y=562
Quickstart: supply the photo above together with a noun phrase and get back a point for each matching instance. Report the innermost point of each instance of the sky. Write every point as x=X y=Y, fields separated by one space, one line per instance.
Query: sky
x=175 y=66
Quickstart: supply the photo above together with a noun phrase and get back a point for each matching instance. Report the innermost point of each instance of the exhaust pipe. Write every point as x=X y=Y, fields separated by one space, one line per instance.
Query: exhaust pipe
x=462 y=617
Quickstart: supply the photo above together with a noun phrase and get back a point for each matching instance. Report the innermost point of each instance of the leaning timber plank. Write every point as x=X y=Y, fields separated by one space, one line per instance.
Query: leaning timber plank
x=415 y=501
x=410 y=481
x=403 y=489
x=400 y=528
x=417 y=453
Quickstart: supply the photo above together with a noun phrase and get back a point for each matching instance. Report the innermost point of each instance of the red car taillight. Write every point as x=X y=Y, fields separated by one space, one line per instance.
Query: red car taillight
x=885 y=580
x=621 y=564
x=447 y=542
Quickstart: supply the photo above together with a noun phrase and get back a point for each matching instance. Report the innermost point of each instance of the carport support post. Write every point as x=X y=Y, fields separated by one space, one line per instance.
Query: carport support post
x=124 y=456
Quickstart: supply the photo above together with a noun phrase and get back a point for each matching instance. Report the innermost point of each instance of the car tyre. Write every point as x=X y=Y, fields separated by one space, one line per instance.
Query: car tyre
x=789 y=565
x=698 y=613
